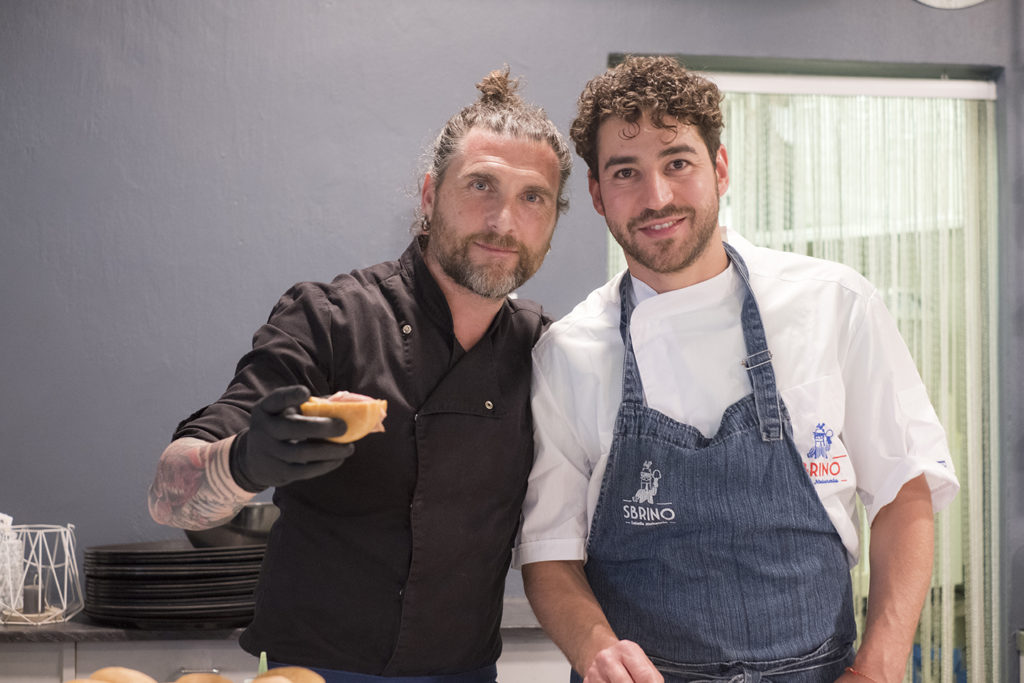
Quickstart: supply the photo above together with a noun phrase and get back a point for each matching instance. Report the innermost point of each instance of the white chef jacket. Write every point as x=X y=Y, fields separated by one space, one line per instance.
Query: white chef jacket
x=861 y=417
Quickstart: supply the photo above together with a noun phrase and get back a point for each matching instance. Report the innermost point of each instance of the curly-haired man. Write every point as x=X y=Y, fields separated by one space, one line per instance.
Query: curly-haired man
x=704 y=423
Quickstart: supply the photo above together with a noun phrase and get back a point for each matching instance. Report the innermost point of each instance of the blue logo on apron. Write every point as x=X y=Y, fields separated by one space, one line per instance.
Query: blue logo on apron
x=821 y=467
x=822 y=442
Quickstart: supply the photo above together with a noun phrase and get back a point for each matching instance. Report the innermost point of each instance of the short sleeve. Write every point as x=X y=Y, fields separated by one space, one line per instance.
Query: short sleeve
x=891 y=429
x=555 y=509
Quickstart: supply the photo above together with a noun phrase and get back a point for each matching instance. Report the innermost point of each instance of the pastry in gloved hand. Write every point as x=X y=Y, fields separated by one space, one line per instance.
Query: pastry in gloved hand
x=361 y=413
x=282 y=445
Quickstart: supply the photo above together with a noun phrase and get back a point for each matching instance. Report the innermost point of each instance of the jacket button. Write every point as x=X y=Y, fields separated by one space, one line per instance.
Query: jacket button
x=488 y=405
x=406 y=329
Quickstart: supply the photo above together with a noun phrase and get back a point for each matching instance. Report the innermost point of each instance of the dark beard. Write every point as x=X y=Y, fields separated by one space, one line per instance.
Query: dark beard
x=668 y=258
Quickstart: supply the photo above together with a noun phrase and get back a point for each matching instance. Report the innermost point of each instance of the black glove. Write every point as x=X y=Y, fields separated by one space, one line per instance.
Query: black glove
x=282 y=445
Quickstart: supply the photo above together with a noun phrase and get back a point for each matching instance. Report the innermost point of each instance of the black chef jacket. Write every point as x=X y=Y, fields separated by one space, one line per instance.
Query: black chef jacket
x=393 y=564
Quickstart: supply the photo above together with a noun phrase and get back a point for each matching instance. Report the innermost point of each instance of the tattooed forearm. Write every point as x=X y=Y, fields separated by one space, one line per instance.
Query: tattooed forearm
x=193 y=488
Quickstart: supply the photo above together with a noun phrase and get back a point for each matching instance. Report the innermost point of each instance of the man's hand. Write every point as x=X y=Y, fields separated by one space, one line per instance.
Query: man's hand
x=624 y=662
x=560 y=596
x=282 y=445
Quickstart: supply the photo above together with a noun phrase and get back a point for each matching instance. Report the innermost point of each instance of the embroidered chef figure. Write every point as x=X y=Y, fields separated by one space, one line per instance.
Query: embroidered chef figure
x=648 y=484
x=822 y=442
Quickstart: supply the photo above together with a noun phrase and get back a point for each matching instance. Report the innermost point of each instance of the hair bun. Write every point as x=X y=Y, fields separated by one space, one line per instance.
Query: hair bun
x=497 y=89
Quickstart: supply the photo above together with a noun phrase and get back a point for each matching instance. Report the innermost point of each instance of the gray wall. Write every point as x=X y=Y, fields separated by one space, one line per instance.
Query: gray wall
x=167 y=169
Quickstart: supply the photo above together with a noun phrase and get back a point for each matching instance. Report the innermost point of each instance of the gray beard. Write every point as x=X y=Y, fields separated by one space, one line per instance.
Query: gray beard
x=489 y=283
x=480 y=280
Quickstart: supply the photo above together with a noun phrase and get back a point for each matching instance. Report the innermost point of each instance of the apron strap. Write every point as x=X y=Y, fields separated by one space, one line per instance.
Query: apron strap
x=632 y=386
x=758 y=361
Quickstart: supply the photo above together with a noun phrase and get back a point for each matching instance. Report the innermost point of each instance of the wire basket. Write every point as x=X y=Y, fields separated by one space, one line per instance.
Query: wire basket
x=42 y=585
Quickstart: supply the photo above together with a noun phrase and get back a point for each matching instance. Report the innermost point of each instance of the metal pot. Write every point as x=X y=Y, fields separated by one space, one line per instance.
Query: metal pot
x=251 y=526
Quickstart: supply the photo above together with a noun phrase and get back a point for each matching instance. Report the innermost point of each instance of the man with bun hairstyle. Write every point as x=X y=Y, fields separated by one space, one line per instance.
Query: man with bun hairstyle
x=390 y=554
x=704 y=423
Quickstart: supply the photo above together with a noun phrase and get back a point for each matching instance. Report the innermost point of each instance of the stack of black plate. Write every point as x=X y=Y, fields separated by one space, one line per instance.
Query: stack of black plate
x=170 y=584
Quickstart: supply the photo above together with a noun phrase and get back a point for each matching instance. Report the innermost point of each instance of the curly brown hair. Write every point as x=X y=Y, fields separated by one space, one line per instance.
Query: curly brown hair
x=656 y=87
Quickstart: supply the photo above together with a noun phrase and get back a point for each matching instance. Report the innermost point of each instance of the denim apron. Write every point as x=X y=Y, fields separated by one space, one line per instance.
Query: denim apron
x=716 y=555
